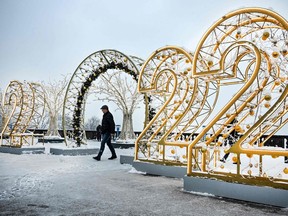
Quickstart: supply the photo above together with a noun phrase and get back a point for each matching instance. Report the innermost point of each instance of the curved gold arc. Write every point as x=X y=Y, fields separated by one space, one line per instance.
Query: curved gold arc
x=282 y=21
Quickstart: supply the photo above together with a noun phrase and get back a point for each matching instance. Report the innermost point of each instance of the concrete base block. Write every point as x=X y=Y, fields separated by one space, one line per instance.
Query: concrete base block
x=257 y=194
x=74 y=151
x=47 y=140
x=123 y=145
x=126 y=159
x=23 y=150
x=161 y=170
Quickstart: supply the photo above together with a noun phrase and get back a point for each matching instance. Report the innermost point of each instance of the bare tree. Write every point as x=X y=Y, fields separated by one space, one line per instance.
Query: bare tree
x=54 y=98
x=117 y=87
x=92 y=123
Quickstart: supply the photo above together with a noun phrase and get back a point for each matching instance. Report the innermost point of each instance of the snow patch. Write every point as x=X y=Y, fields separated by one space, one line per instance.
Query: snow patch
x=200 y=193
x=134 y=171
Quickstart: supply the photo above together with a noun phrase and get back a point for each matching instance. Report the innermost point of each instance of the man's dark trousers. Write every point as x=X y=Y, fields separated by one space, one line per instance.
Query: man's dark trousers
x=106 y=138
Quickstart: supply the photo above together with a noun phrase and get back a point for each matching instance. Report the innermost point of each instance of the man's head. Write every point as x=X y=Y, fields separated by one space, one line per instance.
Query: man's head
x=104 y=108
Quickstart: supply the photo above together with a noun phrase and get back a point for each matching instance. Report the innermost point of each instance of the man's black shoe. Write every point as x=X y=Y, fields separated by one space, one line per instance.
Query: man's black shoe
x=112 y=158
x=97 y=158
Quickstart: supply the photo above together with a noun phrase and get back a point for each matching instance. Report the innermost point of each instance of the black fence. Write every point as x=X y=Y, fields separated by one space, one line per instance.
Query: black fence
x=276 y=140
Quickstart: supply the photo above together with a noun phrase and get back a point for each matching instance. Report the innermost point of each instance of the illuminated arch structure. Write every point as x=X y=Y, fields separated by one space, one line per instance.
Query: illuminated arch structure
x=87 y=72
x=247 y=48
x=25 y=106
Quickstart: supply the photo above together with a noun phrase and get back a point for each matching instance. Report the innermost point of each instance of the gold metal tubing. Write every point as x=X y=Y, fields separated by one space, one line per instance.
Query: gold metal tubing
x=274 y=132
x=237 y=148
x=233 y=100
x=274 y=15
x=158 y=113
x=254 y=20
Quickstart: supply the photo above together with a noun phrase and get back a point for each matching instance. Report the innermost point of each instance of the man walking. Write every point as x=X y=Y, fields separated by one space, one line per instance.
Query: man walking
x=108 y=127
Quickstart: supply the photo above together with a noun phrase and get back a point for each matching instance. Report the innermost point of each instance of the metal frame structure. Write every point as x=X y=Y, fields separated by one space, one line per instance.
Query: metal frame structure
x=25 y=104
x=83 y=77
x=181 y=104
x=247 y=48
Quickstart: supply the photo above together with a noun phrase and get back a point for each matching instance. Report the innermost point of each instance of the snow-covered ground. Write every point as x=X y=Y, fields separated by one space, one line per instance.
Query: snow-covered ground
x=46 y=184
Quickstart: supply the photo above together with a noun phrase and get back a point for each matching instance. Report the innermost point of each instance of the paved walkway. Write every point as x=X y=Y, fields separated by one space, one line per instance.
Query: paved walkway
x=78 y=185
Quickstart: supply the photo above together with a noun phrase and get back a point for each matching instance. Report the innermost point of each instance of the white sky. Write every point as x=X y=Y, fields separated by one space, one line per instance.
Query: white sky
x=42 y=39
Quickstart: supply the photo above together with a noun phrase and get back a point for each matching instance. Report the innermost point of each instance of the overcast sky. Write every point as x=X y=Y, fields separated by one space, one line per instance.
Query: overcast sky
x=42 y=39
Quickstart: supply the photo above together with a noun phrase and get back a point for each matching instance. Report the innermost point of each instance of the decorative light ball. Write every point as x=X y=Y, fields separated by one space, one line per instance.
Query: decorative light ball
x=275 y=54
x=249 y=155
x=248 y=126
x=176 y=116
x=284 y=52
x=219 y=143
x=267 y=97
x=225 y=135
x=188 y=69
x=203 y=150
x=161 y=152
x=265 y=175
x=172 y=151
x=164 y=54
x=274 y=156
x=265 y=35
x=187 y=101
x=250 y=165
x=237 y=128
x=187 y=61
x=228 y=115
x=277 y=82
x=210 y=63
x=148 y=145
x=184 y=156
x=185 y=72
x=256 y=165
x=163 y=119
x=158 y=57
x=285 y=170
x=238 y=35
x=125 y=59
x=249 y=172
x=267 y=105
x=282 y=79
x=234 y=159
x=226 y=151
x=222 y=166
x=251 y=112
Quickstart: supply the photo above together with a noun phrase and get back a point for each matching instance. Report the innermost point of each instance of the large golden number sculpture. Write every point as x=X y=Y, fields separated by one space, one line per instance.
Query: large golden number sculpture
x=247 y=46
x=181 y=103
x=87 y=72
x=24 y=104
x=248 y=49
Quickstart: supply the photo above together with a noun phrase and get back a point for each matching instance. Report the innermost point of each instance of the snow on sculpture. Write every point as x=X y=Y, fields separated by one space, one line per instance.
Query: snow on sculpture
x=247 y=48
x=181 y=103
